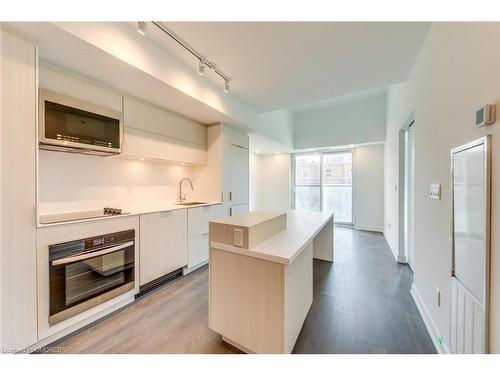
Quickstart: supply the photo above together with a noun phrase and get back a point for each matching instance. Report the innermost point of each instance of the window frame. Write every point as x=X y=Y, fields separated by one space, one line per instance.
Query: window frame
x=321 y=188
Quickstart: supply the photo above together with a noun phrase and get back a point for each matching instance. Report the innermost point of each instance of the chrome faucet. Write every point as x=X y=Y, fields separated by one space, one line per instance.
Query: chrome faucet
x=182 y=197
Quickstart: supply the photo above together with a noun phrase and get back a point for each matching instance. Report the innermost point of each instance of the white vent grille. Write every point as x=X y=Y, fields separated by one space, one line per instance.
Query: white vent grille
x=467 y=321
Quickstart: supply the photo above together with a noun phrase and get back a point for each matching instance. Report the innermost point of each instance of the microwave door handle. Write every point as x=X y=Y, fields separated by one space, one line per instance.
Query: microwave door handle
x=94 y=254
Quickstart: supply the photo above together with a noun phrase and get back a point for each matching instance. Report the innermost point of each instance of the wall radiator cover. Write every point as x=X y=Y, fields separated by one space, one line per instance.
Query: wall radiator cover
x=468 y=321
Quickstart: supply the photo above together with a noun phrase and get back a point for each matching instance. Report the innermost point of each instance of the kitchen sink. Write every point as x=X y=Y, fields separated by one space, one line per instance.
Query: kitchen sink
x=191 y=203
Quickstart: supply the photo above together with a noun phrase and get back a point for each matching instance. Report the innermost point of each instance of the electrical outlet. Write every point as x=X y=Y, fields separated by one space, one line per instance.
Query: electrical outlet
x=238 y=237
x=438 y=296
x=435 y=191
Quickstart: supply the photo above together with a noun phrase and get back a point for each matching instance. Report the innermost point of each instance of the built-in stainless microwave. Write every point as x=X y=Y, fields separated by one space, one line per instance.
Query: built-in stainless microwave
x=72 y=125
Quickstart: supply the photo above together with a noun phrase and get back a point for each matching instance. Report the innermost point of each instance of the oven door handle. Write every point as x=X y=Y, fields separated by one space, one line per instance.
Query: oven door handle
x=94 y=254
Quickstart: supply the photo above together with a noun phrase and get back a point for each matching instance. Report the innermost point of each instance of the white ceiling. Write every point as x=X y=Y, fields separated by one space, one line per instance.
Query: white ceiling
x=276 y=65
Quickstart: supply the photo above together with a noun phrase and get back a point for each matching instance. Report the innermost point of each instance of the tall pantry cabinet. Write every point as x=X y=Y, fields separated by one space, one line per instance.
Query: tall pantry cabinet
x=18 y=139
x=235 y=169
x=225 y=175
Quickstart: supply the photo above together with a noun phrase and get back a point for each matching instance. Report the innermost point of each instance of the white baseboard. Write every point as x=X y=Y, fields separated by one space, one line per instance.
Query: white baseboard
x=369 y=229
x=429 y=323
x=399 y=258
x=402 y=259
x=186 y=270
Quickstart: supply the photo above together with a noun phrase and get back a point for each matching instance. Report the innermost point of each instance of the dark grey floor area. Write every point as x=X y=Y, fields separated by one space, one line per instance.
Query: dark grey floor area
x=362 y=301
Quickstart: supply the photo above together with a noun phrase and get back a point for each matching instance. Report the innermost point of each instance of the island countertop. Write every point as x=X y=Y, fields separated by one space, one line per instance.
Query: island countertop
x=285 y=246
x=261 y=276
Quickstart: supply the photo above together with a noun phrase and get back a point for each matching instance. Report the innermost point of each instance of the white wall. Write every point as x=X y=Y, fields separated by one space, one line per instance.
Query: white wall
x=72 y=182
x=399 y=109
x=254 y=188
x=359 y=121
x=278 y=125
x=453 y=75
x=369 y=188
x=270 y=181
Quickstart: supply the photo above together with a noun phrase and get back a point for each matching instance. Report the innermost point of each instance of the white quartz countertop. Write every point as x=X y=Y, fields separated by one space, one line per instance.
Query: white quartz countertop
x=63 y=218
x=287 y=245
x=248 y=219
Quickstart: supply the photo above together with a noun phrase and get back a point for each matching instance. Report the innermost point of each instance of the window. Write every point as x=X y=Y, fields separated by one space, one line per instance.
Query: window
x=324 y=182
x=307 y=182
x=337 y=187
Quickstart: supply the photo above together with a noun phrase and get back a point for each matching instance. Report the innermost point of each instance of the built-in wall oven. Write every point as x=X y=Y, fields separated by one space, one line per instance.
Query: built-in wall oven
x=87 y=272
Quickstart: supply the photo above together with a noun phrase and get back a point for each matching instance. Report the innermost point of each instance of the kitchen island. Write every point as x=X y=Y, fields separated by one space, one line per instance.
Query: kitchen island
x=261 y=276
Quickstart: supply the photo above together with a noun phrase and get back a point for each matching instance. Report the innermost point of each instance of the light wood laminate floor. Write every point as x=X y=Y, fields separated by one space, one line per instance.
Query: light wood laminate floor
x=362 y=304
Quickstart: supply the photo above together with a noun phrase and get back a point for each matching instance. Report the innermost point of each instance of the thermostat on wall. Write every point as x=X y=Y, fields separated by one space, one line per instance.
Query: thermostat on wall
x=435 y=191
x=485 y=115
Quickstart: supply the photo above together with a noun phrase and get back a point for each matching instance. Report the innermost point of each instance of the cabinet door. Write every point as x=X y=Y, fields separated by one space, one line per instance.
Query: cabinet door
x=163 y=238
x=238 y=174
x=198 y=218
x=197 y=250
x=159 y=121
x=239 y=209
x=18 y=233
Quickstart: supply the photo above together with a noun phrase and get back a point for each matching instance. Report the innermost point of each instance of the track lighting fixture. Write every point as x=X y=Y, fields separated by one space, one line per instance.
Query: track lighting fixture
x=201 y=68
x=141 y=27
x=203 y=62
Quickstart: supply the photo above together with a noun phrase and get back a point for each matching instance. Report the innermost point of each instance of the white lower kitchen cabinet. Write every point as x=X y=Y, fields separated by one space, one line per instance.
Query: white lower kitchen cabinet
x=198 y=219
x=163 y=238
x=197 y=251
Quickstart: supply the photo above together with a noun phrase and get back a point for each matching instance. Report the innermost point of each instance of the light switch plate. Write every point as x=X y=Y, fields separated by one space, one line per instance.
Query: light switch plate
x=238 y=237
x=435 y=191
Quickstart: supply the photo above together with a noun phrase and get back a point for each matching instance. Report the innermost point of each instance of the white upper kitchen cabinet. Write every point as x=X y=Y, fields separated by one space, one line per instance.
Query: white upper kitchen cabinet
x=163 y=239
x=70 y=84
x=156 y=133
x=18 y=302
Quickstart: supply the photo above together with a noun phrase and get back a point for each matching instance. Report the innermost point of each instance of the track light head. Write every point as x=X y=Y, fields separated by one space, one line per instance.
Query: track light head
x=201 y=68
x=141 y=27
x=226 y=86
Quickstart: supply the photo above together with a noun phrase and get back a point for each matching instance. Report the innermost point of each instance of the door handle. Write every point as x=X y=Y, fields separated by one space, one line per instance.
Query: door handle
x=92 y=254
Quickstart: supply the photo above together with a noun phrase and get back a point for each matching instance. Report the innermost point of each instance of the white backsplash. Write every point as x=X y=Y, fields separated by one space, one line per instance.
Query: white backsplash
x=75 y=182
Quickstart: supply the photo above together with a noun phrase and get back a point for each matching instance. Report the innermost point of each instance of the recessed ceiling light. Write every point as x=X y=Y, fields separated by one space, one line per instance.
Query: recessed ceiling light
x=141 y=27
x=142 y=159
x=276 y=152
